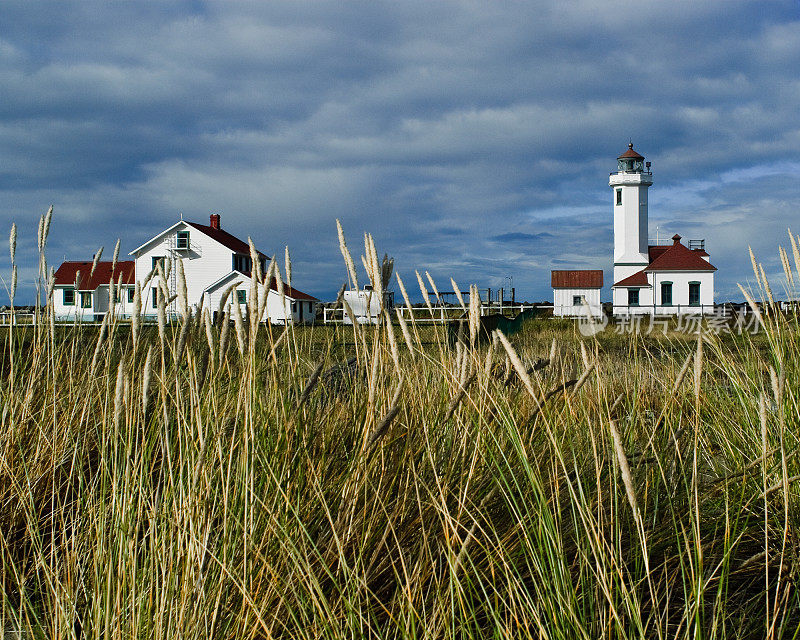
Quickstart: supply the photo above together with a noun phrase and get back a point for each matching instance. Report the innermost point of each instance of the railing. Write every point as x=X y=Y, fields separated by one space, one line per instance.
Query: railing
x=424 y=315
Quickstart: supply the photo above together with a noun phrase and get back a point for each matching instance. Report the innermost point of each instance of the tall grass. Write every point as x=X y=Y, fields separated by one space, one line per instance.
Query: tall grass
x=180 y=481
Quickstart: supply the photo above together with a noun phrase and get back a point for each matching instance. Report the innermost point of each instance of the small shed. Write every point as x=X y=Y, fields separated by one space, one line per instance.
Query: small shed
x=575 y=291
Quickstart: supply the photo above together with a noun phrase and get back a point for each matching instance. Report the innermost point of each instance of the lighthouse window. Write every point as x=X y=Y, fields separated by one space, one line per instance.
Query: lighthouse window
x=633 y=297
x=619 y=196
x=666 y=293
x=694 y=293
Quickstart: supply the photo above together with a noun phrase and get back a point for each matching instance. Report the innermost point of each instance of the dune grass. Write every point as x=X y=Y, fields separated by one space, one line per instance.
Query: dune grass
x=241 y=482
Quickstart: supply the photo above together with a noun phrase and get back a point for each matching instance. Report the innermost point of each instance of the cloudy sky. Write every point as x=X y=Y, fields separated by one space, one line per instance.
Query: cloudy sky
x=472 y=139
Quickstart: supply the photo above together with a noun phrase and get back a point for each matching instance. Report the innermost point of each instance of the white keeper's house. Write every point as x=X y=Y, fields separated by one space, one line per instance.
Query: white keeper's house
x=649 y=278
x=213 y=261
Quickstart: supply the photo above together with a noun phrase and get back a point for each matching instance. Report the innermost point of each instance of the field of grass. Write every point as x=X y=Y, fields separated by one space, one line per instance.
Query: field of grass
x=200 y=481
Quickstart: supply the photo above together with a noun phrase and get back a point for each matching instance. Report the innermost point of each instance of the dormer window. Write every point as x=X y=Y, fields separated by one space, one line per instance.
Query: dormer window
x=241 y=263
x=183 y=240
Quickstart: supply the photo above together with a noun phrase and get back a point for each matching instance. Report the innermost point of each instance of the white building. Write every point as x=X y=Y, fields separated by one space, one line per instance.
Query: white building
x=577 y=293
x=653 y=279
x=212 y=260
x=366 y=305
x=80 y=293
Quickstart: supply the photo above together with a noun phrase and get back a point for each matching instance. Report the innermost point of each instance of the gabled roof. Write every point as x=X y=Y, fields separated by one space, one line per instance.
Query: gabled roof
x=157 y=236
x=630 y=153
x=680 y=258
x=289 y=292
x=225 y=239
x=103 y=273
x=577 y=279
x=638 y=279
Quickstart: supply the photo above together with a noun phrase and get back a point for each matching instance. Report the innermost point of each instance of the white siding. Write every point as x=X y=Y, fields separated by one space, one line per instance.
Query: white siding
x=563 y=302
x=204 y=263
x=650 y=298
x=98 y=308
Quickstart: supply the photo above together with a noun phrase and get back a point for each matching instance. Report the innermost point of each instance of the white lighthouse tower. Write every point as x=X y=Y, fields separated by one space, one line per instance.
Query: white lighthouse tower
x=630 y=184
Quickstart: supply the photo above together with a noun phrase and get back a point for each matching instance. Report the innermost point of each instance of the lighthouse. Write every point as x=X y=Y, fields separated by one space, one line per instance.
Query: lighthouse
x=629 y=191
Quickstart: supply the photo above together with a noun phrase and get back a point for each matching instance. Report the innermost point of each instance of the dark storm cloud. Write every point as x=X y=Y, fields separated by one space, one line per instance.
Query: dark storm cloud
x=458 y=133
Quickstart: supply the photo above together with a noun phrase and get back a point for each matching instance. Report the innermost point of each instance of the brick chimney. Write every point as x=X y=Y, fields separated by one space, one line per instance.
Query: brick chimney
x=214 y=221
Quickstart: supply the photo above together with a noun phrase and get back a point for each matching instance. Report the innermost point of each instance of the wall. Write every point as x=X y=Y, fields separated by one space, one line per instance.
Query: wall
x=562 y=302
x=680 y=294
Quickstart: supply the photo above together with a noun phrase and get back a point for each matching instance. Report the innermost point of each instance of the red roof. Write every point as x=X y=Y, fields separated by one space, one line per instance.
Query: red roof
x=638 y=279
x=680 y=258
x=291 y=291
x=103 y=274
x=224 y=238
x=630 y=153
x=585 y=279
x=656 y=250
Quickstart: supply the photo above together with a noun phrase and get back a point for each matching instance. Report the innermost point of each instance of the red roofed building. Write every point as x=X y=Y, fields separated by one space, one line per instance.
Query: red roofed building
x=83 y=289
x=663 y=279
x=653 y=278
x=576 y=292
x=217 y=270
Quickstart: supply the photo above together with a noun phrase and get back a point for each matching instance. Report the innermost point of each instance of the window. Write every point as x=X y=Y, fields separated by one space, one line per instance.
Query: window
x=131 y=293
x=183 y=240
x=694 y=293
x=633 y=297
x=666 y=293
x=69 y=297
x=241 y=263
x=86 y=299
x=577 y=301
x=157 y=260
x=155 y=297
x=116 y=294
x=619 y=196
x=241 y=296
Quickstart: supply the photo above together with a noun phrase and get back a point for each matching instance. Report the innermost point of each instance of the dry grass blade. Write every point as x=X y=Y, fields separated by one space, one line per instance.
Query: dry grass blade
x=310 y=384
x=754 y=308
x=386 y=422
x=518 y=366
x=624 y=468
x=698 y=367
x=682 y=373
x=462 y=393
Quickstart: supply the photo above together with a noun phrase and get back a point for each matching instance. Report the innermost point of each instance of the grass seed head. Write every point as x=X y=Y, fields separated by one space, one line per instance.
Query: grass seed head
x=95 y=261
x=12 y=242
x=457 y=291
x=115 y=257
